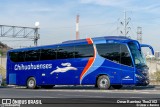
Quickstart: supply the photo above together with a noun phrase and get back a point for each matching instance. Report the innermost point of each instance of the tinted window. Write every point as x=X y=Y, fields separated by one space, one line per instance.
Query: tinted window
x=115 y=52
x=109 y=51
x=65 y=52
x=79 y=51
x=17 y=56
x=48 y=54
x=125 y=56
x=82 y=51
x=32 y=55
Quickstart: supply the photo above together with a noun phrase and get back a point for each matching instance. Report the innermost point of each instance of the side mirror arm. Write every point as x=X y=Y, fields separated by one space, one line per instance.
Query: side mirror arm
x=151 y=48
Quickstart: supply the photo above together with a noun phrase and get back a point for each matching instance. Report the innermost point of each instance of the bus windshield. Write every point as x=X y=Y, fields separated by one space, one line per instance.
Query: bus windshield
x=137 y=55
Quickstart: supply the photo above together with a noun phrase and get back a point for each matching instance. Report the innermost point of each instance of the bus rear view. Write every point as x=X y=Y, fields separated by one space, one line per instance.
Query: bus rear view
x=103 y=61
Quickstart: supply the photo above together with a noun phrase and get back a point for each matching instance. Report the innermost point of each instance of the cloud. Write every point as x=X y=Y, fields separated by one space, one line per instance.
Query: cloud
x=41 y=10
x=143 y=6
x=105 y=2
x=155 y=8
x=145 y=9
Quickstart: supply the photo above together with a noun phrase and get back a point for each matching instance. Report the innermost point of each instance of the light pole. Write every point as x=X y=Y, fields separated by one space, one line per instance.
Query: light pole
x=36 y=35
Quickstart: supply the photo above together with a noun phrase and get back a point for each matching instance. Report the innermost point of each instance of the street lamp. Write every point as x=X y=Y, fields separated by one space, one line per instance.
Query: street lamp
x=37 y=24
x=36 y=33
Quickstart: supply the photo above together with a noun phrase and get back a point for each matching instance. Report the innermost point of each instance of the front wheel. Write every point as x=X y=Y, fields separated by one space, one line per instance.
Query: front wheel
x=31 y=83
x=103 y=82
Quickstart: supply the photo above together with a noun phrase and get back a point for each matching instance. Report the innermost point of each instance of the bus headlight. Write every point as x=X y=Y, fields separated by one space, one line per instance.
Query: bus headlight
x=138 y=76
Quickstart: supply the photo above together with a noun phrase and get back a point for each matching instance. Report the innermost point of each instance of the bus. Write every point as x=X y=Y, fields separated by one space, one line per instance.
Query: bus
x=101 y=61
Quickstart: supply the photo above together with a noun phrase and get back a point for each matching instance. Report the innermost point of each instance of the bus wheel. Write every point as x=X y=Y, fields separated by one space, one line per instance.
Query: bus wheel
x=117 y=86
x=31 y=83
x=103 y=82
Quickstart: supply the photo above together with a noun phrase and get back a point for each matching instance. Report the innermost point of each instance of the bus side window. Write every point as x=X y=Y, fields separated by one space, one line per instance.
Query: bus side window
x=82 y=51
x=48 y=54
x=65 y=52
x=125 y=56
x=109 y=51
x=17 y=56
x=32 y=55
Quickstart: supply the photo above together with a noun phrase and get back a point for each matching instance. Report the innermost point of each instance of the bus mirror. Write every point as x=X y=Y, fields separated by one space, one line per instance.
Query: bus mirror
x=151 y=48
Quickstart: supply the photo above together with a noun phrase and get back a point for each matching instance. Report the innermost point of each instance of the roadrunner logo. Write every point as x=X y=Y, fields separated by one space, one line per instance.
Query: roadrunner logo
x=67 y=67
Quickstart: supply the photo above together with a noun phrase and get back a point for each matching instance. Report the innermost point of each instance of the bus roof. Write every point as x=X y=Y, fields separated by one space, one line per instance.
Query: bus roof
x=116 y=38
x=83 y=41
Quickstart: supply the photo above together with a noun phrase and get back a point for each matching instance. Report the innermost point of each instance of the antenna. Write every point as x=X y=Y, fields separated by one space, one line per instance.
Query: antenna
x=125 y=24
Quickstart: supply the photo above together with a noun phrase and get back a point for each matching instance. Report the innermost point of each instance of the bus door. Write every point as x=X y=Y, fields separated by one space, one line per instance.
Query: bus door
x=127 y=68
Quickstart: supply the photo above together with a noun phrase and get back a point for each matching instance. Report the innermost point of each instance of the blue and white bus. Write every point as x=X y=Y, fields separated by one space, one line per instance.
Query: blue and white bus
x=103 y=61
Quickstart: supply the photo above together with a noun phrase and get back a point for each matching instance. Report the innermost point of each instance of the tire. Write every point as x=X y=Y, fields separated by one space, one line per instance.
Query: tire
x=31 y=83
x=117 y=86
x=103 y=82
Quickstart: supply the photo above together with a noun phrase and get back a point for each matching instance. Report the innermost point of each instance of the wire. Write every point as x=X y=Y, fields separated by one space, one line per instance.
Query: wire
x=111 y=28
x=98 y=24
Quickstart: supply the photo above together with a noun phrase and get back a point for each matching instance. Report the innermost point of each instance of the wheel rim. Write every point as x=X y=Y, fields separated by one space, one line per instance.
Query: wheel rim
x=103 y=83
x=31 y=83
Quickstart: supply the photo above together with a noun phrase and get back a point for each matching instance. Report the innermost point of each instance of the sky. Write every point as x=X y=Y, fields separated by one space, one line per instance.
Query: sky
x=57 y=19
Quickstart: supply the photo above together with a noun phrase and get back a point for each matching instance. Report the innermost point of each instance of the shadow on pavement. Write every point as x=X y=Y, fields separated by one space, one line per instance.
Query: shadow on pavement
x=71 y=87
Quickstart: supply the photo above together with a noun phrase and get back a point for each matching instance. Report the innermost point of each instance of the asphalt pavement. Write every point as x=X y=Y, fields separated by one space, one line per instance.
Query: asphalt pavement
x=80 y=92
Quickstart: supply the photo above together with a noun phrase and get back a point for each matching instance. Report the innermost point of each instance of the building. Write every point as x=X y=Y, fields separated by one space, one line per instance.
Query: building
x=3 y=50
x=157 y=54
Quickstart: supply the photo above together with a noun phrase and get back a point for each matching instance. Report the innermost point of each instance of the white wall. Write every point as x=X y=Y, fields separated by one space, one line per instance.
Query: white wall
x=153 y=66
x=3 y=62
